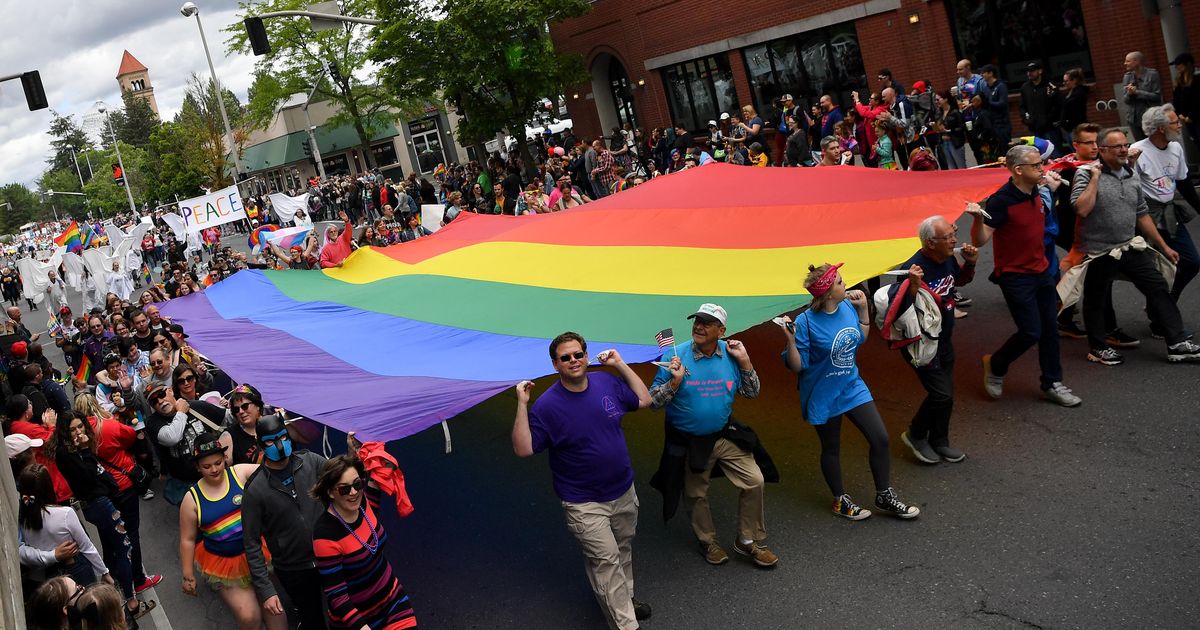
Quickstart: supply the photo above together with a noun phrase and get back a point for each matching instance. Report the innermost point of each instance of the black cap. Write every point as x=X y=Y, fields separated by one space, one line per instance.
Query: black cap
x=176 y=328
x=1033 y=65
x=208 y=444
x=1183 y=57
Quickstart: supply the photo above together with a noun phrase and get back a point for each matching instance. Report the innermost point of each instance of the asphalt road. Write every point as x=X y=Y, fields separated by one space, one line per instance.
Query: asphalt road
x=1058 y=518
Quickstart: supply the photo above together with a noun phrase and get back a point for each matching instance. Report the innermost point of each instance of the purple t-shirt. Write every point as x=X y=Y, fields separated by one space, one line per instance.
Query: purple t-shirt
x=588 y=456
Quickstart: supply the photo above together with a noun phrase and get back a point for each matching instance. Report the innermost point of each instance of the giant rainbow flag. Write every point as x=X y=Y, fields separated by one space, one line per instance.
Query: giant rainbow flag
x=402 y=337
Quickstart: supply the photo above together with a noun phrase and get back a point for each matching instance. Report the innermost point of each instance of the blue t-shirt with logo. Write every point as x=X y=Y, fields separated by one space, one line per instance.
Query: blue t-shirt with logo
x=829 y=381
x=588 y=456
x=704 y=401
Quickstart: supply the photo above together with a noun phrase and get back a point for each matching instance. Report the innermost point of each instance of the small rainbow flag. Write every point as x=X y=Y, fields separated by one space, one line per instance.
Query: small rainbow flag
x=53 y=326
x=70 y=238
x=88 y=236
x=84 y=373
x=145 y=273
x=256 y=236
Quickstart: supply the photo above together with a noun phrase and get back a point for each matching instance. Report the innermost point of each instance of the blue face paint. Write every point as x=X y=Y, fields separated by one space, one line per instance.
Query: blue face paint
x=280 y=447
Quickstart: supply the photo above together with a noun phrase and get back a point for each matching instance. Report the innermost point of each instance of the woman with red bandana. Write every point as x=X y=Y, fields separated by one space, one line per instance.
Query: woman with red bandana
x=821 y=348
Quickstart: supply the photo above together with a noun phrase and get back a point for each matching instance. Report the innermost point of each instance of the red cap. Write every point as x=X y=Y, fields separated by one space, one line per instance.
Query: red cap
x=919 y=86
x=20 y=349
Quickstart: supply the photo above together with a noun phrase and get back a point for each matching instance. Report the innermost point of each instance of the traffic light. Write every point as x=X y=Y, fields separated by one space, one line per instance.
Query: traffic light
x=307 y=148
x=258 y=35
x=118 y=175
x=35 y=95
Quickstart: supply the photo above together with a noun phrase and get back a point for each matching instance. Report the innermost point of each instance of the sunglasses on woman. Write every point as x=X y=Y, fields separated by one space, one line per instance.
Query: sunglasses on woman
x=187 y=379
x=244 y=406
x=357 y=485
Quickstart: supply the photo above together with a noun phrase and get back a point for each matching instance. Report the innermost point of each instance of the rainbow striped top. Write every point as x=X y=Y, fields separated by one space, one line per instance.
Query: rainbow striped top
x=221 y=518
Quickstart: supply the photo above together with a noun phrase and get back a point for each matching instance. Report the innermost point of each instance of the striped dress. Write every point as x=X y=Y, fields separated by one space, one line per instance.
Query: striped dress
x=360 y=588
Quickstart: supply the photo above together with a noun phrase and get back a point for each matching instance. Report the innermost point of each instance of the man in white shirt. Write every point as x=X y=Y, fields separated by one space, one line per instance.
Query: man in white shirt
x=1162 y=169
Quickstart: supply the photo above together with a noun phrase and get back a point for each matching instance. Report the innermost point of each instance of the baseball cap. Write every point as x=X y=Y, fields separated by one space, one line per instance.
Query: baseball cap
x=1183 y=57
x=1033 y=65
x=20 y=349
x=16 y=444
x=712 y=123
x=710 y=311
x=176 y=328
x=724 y=115
x=919 y=86
x=787 y=97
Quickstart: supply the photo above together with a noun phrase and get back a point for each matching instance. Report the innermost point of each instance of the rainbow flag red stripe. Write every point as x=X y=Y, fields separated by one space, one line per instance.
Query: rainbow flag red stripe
x=70 y=238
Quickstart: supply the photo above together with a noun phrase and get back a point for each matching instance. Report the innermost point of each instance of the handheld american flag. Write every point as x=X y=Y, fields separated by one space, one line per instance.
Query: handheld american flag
x=665 y=337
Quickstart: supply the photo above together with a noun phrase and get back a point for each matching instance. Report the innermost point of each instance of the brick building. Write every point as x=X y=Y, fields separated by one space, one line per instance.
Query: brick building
x=654 y=62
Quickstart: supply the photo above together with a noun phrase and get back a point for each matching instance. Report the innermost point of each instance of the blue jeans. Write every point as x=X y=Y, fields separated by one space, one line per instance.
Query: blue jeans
x=101 y=513
x=1189 y=258
x=956 y=157
x=1033 y=304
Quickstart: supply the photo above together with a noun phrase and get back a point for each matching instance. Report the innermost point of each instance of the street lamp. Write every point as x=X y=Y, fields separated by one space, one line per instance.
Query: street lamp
x=189 y=9
x=76 y=161
x=103 y=109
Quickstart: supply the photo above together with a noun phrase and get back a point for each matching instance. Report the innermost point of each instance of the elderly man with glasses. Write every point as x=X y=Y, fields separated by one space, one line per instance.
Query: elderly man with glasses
x=937 y=268
x=1020 y=218
x=1112 y=211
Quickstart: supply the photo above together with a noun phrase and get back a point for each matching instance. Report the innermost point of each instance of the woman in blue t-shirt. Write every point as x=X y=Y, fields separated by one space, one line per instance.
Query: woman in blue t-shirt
x=822 y=349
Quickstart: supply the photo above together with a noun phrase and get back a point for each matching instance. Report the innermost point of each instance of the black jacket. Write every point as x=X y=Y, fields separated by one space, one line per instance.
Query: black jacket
x=680 y=448
x=1039 y=107
x=83 y=472
x=284 y=517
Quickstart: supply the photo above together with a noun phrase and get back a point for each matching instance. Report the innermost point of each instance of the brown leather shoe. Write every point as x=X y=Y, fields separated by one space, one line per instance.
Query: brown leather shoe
x=761 y=556
x=713 y=553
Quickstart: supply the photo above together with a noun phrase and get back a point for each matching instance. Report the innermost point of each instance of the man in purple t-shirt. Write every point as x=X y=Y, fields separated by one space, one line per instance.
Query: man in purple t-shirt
x=579 y=420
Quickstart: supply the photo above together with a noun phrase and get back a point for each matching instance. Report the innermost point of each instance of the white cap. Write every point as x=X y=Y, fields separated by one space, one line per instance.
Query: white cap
x=711 y=310
x=17 y=444
x=712 y=123
x=724 y=115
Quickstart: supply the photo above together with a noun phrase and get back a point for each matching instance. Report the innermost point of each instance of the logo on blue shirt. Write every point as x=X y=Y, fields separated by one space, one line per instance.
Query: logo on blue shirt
x=841 y=351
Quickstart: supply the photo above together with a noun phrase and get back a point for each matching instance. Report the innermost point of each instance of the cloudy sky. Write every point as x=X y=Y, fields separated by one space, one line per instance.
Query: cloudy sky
x=77 y=46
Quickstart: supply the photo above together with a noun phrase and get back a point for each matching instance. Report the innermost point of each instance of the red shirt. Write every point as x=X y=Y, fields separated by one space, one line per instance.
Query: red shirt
x=112 y=449
x=62 y=491
x=1019 y=221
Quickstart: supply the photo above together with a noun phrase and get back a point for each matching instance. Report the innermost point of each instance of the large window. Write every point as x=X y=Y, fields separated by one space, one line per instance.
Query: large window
x=1011 y=33
x=384 y=153
x=699 y=90
x=824 y=61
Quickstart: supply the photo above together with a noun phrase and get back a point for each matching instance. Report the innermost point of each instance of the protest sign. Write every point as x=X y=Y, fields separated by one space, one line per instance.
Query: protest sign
x=215 y=208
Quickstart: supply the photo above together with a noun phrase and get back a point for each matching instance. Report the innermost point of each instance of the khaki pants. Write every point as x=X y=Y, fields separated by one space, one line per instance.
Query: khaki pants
x=605 y=532
x=743 y=472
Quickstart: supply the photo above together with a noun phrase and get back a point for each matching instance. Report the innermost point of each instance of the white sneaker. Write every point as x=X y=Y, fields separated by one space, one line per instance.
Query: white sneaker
x=1060 y=394
x=994 y=385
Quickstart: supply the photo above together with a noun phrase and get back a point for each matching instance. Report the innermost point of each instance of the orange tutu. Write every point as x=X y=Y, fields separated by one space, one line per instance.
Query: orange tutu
x=223 y=570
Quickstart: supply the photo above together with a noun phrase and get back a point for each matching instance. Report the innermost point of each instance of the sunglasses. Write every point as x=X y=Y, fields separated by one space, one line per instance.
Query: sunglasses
x=154 y=398
x=357 y=485
x=567 y=357
x=244 y=406
x=158 y=362
x=187 y=379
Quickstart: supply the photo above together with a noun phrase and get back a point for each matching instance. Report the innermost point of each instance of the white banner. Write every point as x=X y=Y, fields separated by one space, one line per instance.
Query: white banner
x=431 y=216
x=286 y=207
x=216 y=208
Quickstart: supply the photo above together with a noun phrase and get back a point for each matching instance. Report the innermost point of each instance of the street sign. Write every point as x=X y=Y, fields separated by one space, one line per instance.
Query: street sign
x=321 y=24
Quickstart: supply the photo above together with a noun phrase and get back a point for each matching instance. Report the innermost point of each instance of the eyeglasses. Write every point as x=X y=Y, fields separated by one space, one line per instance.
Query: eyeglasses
x=158 y=362
x=244 y=406
x=946 y=237
x=79 y=589
x=357 y=485
x=1116 y=146
x=153 y=398
x=1087 y=142
x=187 y=379
x=567 y=357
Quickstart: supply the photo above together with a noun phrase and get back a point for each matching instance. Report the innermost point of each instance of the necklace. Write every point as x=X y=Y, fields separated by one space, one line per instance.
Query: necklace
x=371 y=548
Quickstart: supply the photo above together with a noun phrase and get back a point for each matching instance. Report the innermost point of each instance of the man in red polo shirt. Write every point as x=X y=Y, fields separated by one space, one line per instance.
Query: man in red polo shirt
x=1016 y=217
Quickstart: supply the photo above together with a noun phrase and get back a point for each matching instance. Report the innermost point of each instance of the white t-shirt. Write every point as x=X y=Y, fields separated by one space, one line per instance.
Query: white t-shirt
x=1159 y=169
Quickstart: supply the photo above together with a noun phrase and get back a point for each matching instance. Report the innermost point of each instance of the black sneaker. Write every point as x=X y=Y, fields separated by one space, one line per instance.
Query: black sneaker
x=961 y=300
x=1071 y=330
x=921 y=449
x=1183 y=351
x=1118 y=339
x=1107 y=356
x=641 y=610
x=888 y=502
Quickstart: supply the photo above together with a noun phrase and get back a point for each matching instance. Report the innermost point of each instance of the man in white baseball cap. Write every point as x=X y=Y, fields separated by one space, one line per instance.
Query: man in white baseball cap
x=17 y=444
x=697 y=389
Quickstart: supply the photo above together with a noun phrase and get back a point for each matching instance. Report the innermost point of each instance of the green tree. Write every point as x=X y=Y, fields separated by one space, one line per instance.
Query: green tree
x=67 y=136
x=25 y=207
x=105 y=197
x=135 y=121
x=301 y=57
x=63 y=180
x=200 y=120
x=493 y=59
x=174 y=174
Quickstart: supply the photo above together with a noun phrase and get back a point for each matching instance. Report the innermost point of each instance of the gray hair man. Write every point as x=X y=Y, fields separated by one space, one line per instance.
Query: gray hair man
x=1161 y=168
x=1112 y=211
x=935 y=266
x=1016 y=219
x=1143 y=90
